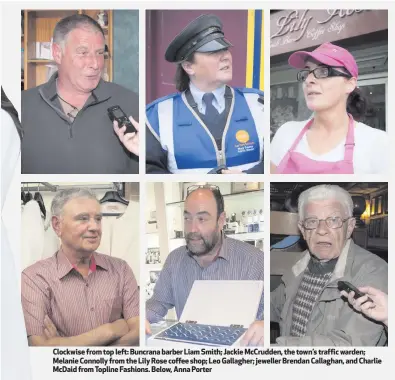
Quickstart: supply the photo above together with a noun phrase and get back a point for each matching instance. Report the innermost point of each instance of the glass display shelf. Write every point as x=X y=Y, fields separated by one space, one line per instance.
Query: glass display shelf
x=252 y=193
x=240 y=236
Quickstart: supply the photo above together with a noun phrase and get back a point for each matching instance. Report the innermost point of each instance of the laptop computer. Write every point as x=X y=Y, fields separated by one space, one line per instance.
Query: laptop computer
x=217 y=313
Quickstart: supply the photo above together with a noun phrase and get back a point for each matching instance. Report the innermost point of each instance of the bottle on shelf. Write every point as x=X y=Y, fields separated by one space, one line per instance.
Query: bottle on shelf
x=256 y=222
x=261 y=220
x=233 y=224
x=243 y=222
x=250 y=222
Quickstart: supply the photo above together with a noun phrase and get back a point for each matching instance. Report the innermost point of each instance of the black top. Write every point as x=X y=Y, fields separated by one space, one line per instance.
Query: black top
x=55 y=144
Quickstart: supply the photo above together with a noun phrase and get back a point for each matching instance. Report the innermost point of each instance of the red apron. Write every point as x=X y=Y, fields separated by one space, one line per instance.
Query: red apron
x=297 y=163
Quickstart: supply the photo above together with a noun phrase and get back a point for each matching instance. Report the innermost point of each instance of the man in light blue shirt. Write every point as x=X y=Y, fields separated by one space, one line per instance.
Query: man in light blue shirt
x=208 y=255
x=218 y=101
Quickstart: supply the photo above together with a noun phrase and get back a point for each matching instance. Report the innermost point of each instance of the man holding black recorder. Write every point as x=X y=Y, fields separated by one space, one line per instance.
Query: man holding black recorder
x=310 y=303
x=70 y=123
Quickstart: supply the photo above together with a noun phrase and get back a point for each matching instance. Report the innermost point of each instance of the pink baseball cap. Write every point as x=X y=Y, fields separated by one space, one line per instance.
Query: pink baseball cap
x=328 y=54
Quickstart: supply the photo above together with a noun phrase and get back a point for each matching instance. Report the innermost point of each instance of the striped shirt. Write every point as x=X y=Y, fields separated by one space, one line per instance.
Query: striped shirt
x=309 y=290
x=236 y=261
x=315 y=277
x=73 y=303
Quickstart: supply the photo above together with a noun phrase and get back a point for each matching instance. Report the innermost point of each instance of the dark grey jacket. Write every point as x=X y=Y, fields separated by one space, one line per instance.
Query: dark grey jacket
x=333 y=322
x=52 y=144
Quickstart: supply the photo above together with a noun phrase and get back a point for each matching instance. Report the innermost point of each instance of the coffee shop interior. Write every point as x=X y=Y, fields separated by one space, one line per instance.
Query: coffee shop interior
x=120 y=224
x=371 y=230
x=164 y=220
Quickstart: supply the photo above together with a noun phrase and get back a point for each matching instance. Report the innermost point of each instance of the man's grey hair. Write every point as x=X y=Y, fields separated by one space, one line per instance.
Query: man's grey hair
x=64 y=196
x=67 y=24
x=326 y=192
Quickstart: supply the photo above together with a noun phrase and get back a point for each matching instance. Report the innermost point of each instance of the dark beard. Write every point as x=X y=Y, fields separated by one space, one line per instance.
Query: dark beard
x=208 y=245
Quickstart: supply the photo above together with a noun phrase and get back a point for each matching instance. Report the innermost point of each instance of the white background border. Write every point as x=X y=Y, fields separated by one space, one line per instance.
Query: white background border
x=41 y=358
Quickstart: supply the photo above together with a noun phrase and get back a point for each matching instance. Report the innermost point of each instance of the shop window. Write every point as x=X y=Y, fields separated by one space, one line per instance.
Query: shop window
x=286 y=103
x=375 y=115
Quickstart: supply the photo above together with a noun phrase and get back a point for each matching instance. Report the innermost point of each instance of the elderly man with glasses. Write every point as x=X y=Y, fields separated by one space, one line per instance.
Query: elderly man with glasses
x=308 y=304
x=207 y=255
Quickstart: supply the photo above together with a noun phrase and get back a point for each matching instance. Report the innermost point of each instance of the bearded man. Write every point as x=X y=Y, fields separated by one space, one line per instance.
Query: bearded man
x=208 y=255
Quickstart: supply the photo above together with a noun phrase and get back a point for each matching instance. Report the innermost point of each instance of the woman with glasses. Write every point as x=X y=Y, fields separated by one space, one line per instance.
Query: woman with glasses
x=332 y=141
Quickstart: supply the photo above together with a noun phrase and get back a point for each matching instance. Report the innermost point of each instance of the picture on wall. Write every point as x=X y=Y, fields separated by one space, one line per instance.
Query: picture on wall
x=152 y=256
x=153 y=276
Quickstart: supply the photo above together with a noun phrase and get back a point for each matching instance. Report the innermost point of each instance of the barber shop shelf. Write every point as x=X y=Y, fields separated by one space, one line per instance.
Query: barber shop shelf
x=51 y=61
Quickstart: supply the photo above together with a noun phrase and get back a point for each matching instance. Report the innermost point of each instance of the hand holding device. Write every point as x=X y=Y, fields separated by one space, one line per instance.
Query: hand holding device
x=347 y=287
x=115 y=113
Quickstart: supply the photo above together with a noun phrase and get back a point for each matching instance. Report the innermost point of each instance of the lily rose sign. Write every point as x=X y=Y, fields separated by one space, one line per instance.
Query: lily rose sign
x=298 y=29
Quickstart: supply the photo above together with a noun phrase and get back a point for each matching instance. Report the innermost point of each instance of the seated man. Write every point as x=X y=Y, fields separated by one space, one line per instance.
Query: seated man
x=208 y=255
x=308 y=304
x=79 y=297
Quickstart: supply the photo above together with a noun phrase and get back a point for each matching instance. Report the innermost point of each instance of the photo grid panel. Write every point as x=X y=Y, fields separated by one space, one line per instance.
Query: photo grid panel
x=203 y=189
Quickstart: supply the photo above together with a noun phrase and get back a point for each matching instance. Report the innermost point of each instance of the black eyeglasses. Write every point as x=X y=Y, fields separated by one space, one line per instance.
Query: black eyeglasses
x=332 y=222
x=207 y=186
x=322 y=72
x=216 y=191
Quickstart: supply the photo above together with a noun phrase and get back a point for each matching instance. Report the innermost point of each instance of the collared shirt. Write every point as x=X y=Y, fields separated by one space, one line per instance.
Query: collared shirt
x=218 y=102
x=236 y=261
x=73 y=303
x=92 y=265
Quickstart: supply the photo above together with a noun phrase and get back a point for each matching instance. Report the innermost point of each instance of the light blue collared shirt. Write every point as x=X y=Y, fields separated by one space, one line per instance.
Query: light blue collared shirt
x=218 y=102
x=236 y=261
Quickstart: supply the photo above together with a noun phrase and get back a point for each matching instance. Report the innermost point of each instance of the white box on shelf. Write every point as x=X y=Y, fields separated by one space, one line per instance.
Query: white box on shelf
x=43 y=50
x=239 y=187
x=151 y=227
